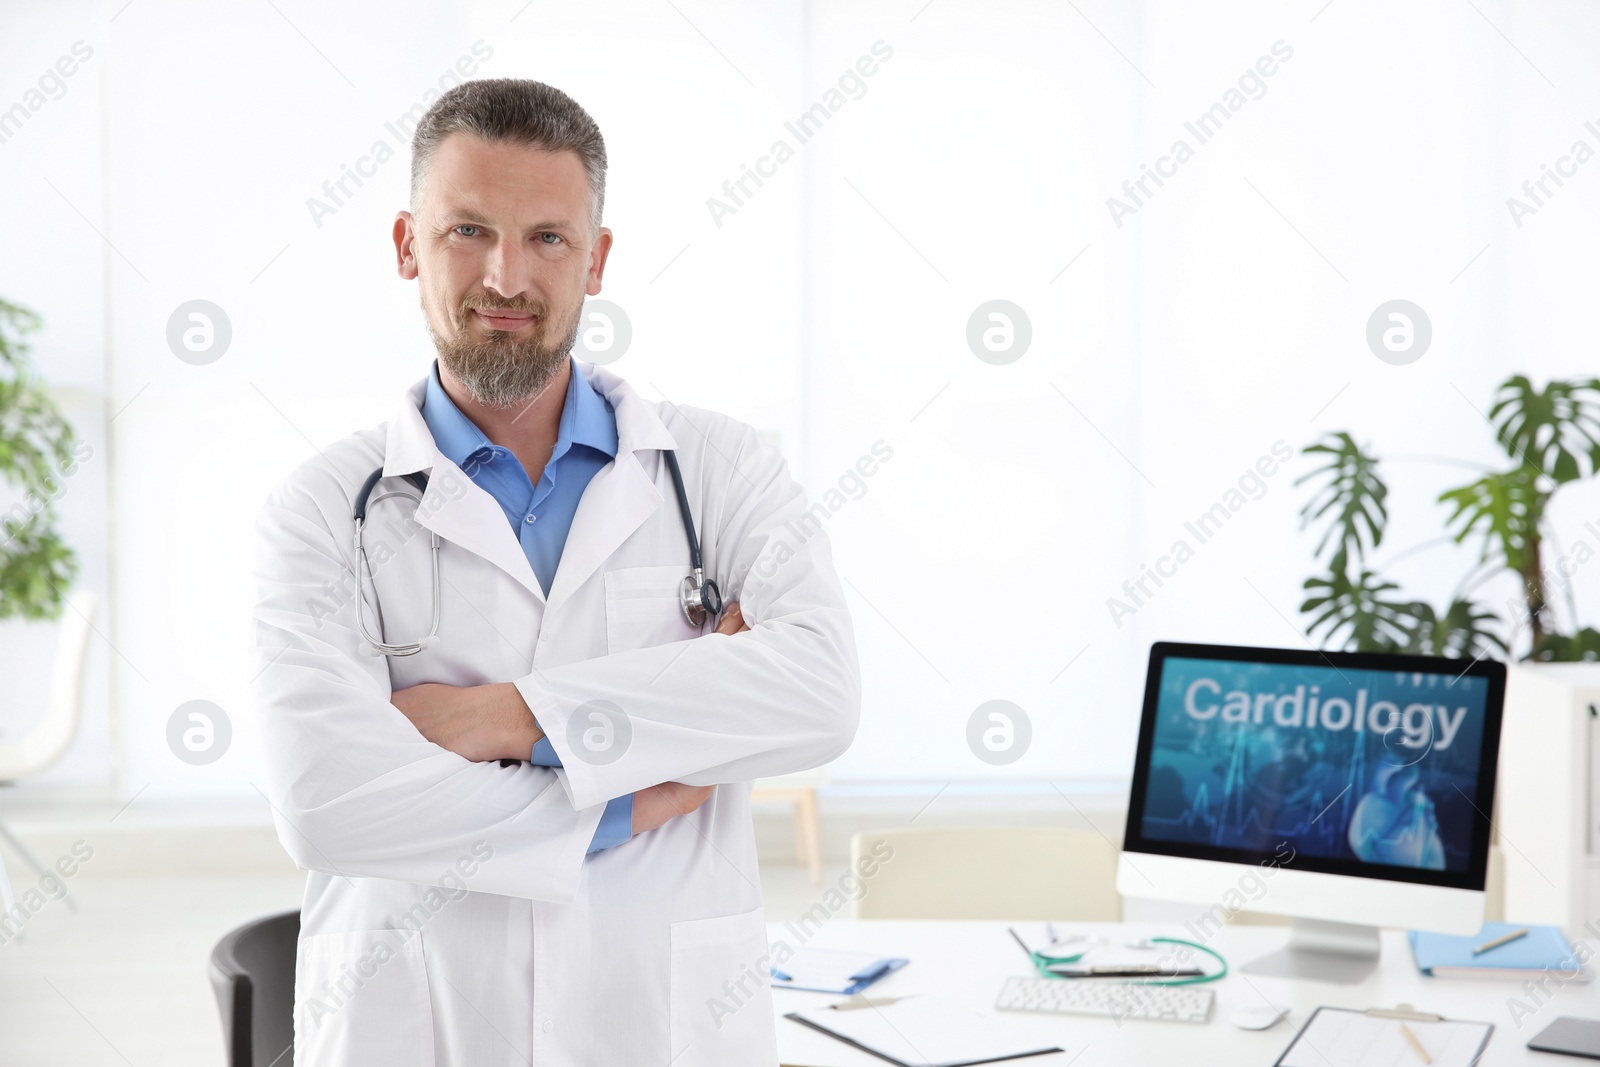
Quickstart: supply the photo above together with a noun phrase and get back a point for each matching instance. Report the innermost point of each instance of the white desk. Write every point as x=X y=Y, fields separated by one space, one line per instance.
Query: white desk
x=969 y=961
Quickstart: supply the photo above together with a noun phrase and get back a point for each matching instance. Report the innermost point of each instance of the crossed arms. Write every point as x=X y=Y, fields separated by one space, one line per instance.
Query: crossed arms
x=493 y=722
x=360 y=789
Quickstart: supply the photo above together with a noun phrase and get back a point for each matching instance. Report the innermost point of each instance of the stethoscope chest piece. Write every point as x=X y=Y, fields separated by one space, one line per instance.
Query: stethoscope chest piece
x=699 y=595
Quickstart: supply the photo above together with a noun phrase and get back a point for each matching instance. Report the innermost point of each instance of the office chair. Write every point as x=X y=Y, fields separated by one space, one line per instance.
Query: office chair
x=252 y=973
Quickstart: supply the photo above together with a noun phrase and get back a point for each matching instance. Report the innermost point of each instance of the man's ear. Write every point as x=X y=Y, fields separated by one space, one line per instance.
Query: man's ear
x=404 y=237
x=597 y=261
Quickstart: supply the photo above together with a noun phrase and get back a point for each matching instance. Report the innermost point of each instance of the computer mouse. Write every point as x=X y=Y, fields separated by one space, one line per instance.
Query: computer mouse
x=1255 y=1017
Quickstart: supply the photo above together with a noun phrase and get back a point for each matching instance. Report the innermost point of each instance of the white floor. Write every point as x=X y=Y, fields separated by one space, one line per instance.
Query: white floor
x=123 y=979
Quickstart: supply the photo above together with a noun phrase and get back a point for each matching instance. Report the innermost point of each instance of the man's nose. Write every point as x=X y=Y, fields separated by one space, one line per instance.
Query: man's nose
x=509 y=270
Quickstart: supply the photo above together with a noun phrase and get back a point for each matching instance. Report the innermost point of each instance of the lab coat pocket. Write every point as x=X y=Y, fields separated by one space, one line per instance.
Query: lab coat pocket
x=361 y=997
x=721 y=999
x=643 y=608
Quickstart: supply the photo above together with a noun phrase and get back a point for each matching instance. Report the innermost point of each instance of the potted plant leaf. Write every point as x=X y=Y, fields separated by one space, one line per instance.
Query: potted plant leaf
x=1551 y=438
x=37 y=451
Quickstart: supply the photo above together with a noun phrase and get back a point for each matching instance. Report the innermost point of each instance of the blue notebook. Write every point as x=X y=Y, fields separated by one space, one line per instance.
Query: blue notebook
x=1543 y=949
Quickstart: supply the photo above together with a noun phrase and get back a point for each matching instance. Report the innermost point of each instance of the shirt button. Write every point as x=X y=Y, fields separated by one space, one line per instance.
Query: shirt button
x=549 y=1026
x=531 y=518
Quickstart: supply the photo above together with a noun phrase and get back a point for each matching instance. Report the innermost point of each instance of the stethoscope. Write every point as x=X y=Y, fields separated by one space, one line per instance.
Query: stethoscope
x=697 y=594
x=1050 y=960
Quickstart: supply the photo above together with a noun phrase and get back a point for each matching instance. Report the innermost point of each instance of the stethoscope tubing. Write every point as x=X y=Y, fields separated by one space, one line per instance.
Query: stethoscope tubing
x=698 y=594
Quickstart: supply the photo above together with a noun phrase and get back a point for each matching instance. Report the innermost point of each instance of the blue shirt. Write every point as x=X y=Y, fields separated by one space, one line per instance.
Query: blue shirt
x=540 y=515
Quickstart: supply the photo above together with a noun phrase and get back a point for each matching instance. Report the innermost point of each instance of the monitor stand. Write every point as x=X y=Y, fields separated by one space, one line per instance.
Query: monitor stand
x=1325 y=951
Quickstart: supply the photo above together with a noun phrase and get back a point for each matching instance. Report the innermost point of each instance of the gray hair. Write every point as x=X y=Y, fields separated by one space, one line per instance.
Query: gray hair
x=519 y=111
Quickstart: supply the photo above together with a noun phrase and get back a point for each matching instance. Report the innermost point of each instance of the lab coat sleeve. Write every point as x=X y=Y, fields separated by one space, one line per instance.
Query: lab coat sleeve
x=355 y=789
x=783 y=697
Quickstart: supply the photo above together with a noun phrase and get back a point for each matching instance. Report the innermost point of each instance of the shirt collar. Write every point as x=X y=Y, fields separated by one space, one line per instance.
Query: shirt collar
x=409 y=444
x=593 y=422
x=586 y=419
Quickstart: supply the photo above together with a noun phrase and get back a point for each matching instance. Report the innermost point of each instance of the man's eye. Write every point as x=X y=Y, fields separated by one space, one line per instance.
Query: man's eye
x=557 y=237
x=465 y=226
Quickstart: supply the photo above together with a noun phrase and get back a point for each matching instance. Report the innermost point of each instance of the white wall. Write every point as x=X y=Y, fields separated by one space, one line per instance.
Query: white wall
x=830 y=308
x=1225 y=315
x=972 y=171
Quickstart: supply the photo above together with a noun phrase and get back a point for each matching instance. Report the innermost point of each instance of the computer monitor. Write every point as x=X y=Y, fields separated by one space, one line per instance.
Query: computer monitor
x=1347 y=791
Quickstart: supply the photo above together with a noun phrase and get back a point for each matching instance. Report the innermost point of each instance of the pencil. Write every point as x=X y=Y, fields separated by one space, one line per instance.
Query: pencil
x=1404 y=1029
x=1497 y=942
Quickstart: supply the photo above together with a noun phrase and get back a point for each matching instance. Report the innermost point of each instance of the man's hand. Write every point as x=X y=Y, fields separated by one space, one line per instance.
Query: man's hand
x=654 y=806
x=479 y=722
x=732 y=621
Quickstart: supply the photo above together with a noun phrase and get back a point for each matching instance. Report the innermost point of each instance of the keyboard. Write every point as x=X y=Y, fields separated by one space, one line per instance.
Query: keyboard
x=1113 y=999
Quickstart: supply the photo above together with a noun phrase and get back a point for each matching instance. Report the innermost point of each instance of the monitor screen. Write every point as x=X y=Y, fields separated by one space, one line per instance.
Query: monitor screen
x=1379 y=766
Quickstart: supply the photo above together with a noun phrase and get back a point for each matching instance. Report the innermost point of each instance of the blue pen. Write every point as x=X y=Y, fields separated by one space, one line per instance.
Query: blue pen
x=878 y=971
x=858 y=981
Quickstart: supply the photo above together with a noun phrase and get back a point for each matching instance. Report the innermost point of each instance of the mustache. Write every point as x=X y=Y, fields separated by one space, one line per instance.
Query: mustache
x=537 y=310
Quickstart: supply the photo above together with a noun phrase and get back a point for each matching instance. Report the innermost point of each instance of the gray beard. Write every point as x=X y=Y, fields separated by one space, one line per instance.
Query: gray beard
x=503 y=372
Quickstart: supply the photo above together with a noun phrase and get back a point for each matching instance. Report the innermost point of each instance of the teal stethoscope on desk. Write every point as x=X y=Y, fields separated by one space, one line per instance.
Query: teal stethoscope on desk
x=1060 y=953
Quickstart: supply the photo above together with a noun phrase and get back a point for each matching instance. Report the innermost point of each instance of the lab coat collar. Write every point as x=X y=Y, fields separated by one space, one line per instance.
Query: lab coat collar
x=621 y=496
x=617 y=501
x=638 y=426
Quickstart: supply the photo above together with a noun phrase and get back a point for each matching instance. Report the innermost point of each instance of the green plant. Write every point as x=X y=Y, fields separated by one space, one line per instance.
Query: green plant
x=37 y=448
x=1552 y=437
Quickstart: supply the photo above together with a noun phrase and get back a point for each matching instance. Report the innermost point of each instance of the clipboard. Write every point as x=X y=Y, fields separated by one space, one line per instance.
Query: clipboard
x=822 y=970
x=1385 y=1037
x=920 y=1031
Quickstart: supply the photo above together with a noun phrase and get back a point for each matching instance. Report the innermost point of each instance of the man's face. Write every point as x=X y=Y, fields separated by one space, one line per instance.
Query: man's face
x=502 y=247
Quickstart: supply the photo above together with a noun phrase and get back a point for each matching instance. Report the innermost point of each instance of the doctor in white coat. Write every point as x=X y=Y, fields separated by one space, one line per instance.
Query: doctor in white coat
x=459 y=909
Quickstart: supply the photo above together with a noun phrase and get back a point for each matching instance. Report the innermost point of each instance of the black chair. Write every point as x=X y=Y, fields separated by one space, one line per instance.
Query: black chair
x=252 y=972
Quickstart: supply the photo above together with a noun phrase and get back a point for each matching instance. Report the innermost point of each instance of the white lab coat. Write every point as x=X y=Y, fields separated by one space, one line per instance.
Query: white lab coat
x=451 y=916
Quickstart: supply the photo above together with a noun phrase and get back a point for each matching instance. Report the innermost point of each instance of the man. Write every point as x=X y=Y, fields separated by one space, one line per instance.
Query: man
x=529 y=842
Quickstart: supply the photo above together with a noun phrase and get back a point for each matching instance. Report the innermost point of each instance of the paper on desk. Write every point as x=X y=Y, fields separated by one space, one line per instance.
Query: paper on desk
x=1336 y=1037
x=926 y=1032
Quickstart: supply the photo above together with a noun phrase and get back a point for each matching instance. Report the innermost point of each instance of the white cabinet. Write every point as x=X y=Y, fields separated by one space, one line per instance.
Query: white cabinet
x=1546 y=819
